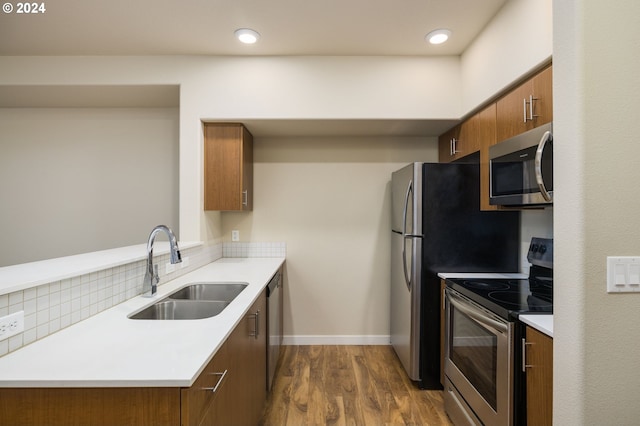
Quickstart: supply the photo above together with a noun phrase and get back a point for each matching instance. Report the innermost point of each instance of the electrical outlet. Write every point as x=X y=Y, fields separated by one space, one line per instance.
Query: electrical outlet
x=235 y=235
x=11 y=325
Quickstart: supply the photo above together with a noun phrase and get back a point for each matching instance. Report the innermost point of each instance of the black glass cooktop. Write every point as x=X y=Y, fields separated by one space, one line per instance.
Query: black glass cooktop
x=508 y=297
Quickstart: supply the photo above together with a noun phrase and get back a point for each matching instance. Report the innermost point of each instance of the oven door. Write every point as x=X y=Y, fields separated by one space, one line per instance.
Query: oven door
x=521 y=169
x=478 y=362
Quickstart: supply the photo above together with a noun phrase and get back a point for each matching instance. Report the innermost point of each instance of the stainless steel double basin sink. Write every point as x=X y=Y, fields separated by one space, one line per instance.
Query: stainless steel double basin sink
x=193 y=301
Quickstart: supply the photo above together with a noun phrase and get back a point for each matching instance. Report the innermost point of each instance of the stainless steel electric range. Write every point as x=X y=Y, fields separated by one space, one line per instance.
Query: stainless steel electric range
x=482 y=383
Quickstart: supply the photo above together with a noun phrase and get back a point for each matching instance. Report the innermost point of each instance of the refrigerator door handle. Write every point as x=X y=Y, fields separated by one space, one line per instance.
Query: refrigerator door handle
x=407 y=279
x=406 y=206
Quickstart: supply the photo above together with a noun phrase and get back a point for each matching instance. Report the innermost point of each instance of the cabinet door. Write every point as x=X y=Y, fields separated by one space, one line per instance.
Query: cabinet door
x=228 y=167
x=468 y=139
x=487 y=137
x=539 y=362
x=543 y=92
x=258 y=365
x=527 y=106
x=206 y=401
x=248 y=354
x=445 y=145
x=247 y=170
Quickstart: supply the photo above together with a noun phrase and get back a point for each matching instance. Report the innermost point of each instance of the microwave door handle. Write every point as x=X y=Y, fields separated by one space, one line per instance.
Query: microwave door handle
x=546 y=137
x=477 y=316
x=407 y=279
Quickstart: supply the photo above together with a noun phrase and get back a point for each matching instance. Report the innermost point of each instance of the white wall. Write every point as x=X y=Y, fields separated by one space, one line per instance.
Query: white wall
x=77 y=180
x=235 y=88
x=519 y=38
x=329 y=200
x=596 y=334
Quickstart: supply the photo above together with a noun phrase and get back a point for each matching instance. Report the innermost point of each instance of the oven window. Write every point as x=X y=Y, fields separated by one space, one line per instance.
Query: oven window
x=473 y=350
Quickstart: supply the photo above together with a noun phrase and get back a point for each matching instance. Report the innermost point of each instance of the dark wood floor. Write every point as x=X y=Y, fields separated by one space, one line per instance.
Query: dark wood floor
x=348 y=385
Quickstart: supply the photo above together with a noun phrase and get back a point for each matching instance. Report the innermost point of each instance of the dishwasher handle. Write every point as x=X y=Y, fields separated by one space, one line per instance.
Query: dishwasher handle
x=274 y=284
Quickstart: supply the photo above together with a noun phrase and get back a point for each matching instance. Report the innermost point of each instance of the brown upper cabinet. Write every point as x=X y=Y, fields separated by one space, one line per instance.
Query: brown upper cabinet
x=228 y=167
x=511 y=115
x=459 y=141
x=475 y=134
x=527 y=106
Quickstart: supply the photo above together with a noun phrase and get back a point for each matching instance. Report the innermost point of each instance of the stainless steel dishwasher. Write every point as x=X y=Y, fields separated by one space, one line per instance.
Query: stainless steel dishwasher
x=274 y=325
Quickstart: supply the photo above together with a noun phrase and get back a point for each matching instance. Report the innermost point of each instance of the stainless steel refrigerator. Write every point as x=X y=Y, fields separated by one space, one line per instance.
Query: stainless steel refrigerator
x=437 y=226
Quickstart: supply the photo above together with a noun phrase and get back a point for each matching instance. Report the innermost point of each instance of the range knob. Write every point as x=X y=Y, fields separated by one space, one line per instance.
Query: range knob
x=542 y=249
x=534 y=248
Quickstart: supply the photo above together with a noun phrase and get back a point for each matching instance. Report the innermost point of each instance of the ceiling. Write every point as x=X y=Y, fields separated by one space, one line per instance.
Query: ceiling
x=205 y=27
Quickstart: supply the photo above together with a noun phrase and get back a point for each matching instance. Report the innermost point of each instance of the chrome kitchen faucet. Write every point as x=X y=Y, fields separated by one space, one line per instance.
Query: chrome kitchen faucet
x=151 y=278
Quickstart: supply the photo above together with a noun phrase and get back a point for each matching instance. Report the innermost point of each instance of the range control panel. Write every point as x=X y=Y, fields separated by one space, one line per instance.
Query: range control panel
x=541 y=252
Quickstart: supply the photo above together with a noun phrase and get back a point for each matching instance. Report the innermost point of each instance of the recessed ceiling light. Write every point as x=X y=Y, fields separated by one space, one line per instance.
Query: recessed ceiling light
x=247 y=35
x=438 y=36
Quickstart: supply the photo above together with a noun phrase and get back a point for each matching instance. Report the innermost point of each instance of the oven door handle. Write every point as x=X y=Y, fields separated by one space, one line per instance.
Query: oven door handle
x=476 y=315
x=546 y=137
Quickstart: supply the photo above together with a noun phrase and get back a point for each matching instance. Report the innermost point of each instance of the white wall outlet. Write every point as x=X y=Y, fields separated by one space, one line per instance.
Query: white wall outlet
x=623 y=274
x=170 y=267
x=235 y=235
x=11 y=325
x=185 y=262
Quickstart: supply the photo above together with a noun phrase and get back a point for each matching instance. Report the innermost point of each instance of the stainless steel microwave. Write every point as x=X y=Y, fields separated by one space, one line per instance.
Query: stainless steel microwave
x=521 y=169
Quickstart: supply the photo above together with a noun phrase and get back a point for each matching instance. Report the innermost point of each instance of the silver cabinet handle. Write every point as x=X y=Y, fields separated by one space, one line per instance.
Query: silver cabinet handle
x=256 y=323
x=454 y=151
x=546 y=137
x=524 y=355
x=531 y=114
x=524 y=107
x=245 y=197
x=215 y=388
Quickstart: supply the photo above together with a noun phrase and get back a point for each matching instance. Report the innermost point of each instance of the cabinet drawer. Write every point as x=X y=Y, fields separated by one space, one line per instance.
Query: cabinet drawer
x=211 y=383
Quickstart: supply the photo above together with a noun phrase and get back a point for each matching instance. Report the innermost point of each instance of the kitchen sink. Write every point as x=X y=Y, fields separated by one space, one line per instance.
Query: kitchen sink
x=193 y=301
x=209 y=291
x=167 y=309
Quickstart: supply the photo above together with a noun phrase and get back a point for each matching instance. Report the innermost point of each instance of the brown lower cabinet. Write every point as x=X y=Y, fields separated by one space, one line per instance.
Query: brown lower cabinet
x=539 y=367
x=238 y=399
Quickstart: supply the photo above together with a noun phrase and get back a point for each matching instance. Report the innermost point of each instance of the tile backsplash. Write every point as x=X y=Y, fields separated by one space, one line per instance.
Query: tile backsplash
x=51 y=307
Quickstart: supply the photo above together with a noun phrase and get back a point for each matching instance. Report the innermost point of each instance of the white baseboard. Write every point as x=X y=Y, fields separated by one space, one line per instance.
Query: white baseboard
x=295 y=340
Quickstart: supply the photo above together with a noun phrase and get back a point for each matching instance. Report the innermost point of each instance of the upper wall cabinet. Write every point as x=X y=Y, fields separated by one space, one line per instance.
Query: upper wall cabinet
x=459 y=141
x=527 y=106
x=228 y=167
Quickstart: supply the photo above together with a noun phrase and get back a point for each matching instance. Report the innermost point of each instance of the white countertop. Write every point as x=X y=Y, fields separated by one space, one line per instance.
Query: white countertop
x=111 y=350
x=542 y=323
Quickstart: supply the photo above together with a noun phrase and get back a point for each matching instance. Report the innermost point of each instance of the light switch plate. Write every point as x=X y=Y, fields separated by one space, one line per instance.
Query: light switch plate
x=623 y=274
